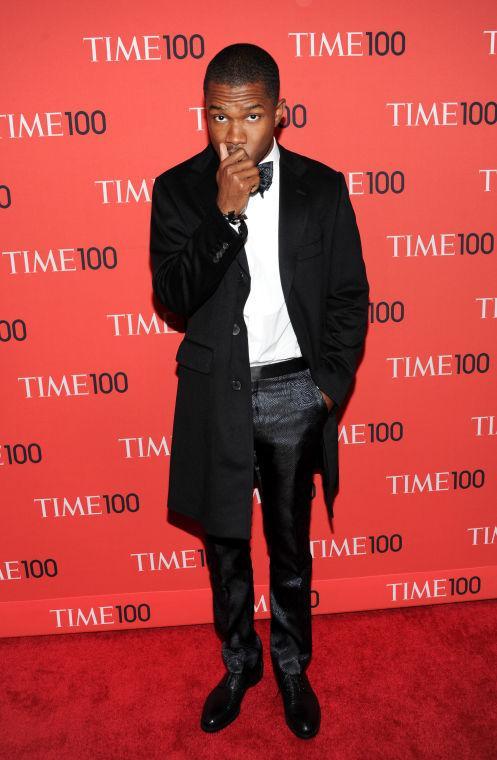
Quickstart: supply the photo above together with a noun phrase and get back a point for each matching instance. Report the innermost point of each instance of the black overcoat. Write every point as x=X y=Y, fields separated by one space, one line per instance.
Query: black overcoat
x=200 y=270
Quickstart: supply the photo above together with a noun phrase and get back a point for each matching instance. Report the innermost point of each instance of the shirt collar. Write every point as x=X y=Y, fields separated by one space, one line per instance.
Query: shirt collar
x=274 y=153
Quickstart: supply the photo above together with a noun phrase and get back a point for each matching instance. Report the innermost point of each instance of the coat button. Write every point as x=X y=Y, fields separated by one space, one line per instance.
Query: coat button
x=236 y=329
x=225 y=245
x=236 y=385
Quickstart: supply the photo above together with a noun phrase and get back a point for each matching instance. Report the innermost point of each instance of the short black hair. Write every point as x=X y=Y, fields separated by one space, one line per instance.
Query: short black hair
x=242 y=63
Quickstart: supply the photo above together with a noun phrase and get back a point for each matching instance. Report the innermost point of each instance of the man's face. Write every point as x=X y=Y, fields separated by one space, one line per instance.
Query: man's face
x=242 y=117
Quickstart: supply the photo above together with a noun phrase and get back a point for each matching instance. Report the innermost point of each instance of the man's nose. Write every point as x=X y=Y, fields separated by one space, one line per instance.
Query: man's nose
x=235 y=139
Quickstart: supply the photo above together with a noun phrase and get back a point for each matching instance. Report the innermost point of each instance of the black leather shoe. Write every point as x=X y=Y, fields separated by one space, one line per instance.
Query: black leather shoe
x=222 y=705
x=302 y=710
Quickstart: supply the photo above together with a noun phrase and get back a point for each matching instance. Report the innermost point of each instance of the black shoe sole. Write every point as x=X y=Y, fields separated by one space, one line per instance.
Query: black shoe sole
x=213 y=729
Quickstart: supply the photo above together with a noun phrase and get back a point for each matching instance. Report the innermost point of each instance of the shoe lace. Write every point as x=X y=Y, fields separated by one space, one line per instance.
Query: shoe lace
x=232 y=679
x=294 y=684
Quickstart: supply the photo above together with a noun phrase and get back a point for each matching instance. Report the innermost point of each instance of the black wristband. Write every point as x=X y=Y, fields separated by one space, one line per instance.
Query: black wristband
x=233 y=218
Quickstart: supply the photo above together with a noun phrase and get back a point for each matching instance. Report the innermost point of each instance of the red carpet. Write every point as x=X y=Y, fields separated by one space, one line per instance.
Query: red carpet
x=393 y=684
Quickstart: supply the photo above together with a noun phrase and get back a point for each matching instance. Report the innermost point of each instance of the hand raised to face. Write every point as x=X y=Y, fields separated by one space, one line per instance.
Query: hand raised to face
x=237 y=176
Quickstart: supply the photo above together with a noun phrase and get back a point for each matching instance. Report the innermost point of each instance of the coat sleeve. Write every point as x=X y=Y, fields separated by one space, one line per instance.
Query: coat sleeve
x=188 y=264
x=346 y=304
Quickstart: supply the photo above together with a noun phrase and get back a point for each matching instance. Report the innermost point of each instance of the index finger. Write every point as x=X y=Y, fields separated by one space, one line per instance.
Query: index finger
x=224 y=151
x=240 y=154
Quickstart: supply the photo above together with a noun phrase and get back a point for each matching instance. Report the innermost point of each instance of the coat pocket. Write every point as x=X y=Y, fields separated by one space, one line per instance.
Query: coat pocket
x=195 y=355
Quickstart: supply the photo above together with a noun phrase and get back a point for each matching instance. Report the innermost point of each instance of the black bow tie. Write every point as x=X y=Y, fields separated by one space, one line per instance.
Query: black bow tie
x=266 y=174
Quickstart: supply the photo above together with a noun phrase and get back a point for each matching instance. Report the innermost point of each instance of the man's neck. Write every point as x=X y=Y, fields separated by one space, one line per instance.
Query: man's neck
x=269 y=150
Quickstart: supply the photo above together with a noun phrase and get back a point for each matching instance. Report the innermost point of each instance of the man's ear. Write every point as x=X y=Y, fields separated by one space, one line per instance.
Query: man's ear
x=280 y=107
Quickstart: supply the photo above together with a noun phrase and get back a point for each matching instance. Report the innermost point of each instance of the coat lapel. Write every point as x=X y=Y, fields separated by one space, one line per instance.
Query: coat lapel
x=293 y=212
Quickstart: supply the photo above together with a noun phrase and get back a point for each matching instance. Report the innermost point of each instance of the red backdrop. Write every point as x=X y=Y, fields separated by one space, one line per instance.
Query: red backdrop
x=97 y=100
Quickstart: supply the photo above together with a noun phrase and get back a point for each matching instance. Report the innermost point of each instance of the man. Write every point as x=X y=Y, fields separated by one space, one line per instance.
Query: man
x=258 y=247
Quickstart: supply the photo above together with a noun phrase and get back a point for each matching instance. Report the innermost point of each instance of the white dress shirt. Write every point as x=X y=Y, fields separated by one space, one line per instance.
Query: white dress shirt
x=271 y=337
